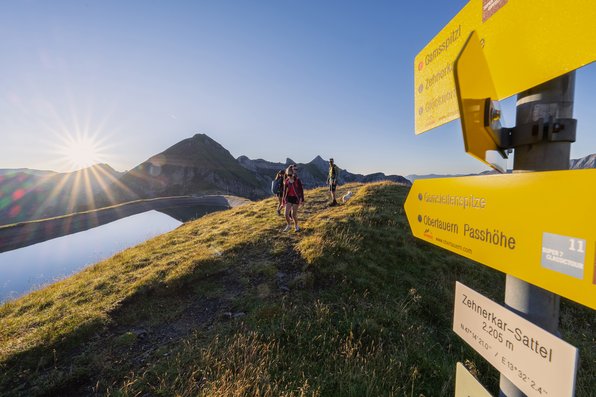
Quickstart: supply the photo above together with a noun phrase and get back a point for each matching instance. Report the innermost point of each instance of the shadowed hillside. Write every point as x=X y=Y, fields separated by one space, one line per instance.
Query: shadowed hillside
x=30 y=194
x=228 y=305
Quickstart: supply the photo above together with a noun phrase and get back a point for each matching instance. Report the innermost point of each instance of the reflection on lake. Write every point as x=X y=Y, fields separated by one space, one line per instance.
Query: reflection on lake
x=30 y=267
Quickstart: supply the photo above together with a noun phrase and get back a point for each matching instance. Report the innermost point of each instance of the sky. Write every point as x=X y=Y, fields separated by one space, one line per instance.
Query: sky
x=266 y=79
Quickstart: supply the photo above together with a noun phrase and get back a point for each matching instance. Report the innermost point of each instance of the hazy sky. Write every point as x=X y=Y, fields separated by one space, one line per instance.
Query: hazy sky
x=266 y=79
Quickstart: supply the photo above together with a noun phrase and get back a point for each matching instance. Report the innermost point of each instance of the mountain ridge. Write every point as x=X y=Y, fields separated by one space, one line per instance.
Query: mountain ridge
x=314 y=173
x=588 y=161
x=194 y=166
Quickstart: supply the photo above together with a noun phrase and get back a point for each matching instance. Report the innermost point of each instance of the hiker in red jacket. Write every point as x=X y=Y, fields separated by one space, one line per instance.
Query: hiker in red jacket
x=293 y=197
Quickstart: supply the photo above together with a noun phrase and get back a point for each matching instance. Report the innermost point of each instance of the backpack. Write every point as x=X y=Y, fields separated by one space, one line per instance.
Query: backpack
x=332 y=178
x=276 y=186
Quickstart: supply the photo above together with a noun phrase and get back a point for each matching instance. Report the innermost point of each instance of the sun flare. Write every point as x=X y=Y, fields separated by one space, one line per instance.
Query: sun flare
x=81 y=152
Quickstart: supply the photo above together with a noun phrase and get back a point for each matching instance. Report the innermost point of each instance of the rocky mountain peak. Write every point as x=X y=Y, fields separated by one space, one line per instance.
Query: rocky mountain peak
x=320 y=163
x=585 y=162
x=196 y=165
x=198 y=144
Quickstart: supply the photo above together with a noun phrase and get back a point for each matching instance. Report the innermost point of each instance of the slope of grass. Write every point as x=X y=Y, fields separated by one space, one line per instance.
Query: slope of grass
x=229 y=305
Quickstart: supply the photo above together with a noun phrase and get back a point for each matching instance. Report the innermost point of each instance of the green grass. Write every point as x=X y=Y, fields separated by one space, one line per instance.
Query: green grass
x=229 y=305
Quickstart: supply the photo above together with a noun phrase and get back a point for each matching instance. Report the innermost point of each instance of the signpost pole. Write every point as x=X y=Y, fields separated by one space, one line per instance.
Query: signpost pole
x=550 y=100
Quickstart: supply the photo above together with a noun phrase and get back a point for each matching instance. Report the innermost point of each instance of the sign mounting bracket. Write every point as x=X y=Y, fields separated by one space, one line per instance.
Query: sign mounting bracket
x=550 y=130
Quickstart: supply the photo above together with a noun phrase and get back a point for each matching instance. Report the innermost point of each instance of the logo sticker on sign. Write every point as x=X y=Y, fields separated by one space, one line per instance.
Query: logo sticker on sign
x=564 y=254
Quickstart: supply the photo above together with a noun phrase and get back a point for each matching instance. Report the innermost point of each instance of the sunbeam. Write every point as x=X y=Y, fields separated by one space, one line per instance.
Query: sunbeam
x=80 y=151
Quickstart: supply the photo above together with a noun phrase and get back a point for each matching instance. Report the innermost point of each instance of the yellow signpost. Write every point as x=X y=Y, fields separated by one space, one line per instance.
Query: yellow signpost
x=558 y=37
x=538 y=227
x=474 y=87
x=466 y=385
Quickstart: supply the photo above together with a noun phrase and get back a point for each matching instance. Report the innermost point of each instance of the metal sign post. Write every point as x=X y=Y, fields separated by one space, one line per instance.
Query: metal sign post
x=549 y=101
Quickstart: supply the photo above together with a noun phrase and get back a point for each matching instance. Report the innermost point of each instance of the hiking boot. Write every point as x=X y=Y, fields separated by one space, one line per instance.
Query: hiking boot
x=278 y=211
x=333 y=203
x=286 y=228
x=297 y=229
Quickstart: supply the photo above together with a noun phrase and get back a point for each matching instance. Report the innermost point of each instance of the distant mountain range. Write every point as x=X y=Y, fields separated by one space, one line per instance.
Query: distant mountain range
x=312 y=174
x=194 y=166
x=11 y=171
x=585 y=162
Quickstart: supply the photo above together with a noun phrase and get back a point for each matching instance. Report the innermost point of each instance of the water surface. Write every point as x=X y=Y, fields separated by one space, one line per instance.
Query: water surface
x=28 y=268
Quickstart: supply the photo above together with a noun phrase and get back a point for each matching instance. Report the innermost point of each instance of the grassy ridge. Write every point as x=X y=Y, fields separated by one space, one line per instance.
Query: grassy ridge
x=229 y=305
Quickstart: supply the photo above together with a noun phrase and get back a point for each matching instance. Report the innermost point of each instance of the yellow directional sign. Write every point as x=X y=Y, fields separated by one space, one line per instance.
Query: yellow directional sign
x=526 y=42
x=466 y=385
x=475 y=88
x=538 y=226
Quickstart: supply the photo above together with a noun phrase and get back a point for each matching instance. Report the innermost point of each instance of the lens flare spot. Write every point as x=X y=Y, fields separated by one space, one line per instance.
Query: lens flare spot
x=5 y=202
x=14 y=211
x=18 y=194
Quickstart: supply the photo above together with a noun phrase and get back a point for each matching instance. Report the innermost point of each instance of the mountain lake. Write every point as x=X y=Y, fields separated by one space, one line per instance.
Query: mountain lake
x=29 y=268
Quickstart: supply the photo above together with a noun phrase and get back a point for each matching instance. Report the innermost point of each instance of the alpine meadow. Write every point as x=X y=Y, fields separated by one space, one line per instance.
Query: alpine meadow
x=352 y=305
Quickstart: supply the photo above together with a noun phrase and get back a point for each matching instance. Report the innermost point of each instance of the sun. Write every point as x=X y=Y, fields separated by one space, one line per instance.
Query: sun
x=81 y=152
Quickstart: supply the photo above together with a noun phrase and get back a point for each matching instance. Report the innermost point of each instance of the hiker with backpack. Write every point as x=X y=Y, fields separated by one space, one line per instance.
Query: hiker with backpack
x=293 y=197
x=277 y=189
x=332 y=181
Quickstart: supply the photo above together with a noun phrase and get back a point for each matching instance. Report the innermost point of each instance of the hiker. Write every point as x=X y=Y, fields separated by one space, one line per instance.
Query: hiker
x=293 y=196
x=277 y=189
x=332 y=181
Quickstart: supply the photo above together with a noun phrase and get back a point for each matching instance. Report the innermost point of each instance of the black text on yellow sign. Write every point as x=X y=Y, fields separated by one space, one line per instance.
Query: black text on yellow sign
x=526 y=43
x=538 y=227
